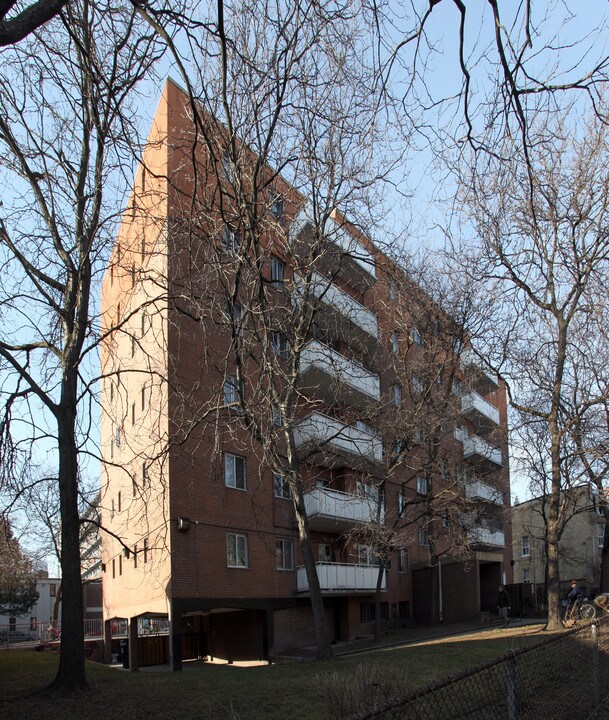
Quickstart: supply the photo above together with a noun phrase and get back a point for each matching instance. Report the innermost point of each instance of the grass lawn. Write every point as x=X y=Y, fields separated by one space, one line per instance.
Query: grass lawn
x=279 y=692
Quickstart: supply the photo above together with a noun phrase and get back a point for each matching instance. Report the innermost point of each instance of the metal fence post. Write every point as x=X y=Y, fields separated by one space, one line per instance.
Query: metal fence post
x=511 y=686
x=597 y=667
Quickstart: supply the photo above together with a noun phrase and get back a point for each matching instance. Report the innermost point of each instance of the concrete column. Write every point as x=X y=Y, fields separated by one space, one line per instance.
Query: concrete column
x=134 y=655
x=107 y=638
x=175 y=637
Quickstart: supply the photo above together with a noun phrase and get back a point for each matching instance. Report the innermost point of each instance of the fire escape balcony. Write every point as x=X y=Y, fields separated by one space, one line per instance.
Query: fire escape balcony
x=338 y=252
x=478 y=450
x=334 y=511
x=480 y=411
x=327 y=374
x=486 y=536
x=331 y=443
x=339 y=315
x=342 y=578
x=483 y=380
x=478 y=490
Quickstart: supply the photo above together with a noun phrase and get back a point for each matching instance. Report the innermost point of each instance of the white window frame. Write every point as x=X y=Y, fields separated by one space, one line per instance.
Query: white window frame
x=277 y=270
x=279 y=344
x=403 y=561
x=396 y=395
x=284 y=551
x=277 y=207
x=231 y=475
x=281 y=488
x=526 y=576
x=423 y=537
x=230 y=390
x=416 y=336
x=366 y=556
x=422 y=485
x=525 y=546
x=237 y=551
x=394 y=342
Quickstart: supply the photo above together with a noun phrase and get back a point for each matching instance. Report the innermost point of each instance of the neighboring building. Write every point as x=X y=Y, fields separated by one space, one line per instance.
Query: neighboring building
x=580 y=544
x=206 y=528
x=42 y=612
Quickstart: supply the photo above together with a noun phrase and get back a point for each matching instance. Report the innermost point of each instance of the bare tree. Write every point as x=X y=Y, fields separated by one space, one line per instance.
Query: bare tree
x=66 y=132
x=541 y=215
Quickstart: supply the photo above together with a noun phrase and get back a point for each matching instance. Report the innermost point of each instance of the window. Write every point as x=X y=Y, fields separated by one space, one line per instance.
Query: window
x=284 y=551
x=227 y=167
x=111 y=390
x=277 y=206
x=444 y=469
x=526 y=575
x=325 y=552
x=421 y=485
x=145 y=550
x=111 y=449
x=392 y=289
x=234 y=471
x=366 y=556
x=52 y=589
x=396 y=395
x=135 y=557
x=132 y=275
x=231 y=390
x=402 y=560
x=33 y=623
x=281 y=487
x=119 y=501
x=236 y=550
x=143 y=248
x=233 y=316
x=526 y=548
x=144 y=475
x=231 y=240
x=364 y=427
x=419 y=436
x=279 y=345
x=415 y=336
x=277 y=271
x=417 y=384
x=112 y=510
x=120 y=564
x=277 y=416
x=117 y=437
x=367 y=612
x=423 y=537
x=143 y=398
x=143 y=325
x=394 y=342
x=400 y=501
x=601 y=534
x=133 y=485
x=113 y=568
x=133 y=413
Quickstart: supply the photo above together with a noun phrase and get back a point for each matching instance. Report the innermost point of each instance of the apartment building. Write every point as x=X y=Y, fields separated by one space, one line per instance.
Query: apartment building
x=210 y=426
x=580 y=544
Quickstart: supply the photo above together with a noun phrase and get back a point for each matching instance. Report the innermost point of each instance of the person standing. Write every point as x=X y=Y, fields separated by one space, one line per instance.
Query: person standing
x=503 y=605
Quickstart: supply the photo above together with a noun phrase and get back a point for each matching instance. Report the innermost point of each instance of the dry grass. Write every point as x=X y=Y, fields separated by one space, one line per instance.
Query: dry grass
x=217 y=692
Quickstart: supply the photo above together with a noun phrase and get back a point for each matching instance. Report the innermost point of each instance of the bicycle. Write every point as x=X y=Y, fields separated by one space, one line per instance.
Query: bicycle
x=578 y=609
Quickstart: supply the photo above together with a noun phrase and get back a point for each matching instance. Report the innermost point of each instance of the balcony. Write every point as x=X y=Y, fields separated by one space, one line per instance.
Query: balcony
x=327 y=374
x=342 y=578
x=340 y=316
x=333 y=444
x=486 y=536
x=337 y=253
x=477 y=490
x=478 y=450
x=335 y=511
x=482 y=379
x=479 y=410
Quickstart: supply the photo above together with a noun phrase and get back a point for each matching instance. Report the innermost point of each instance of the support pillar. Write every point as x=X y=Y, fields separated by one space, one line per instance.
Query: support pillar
x=134 y=655
x=107 y=637
x=175 y=638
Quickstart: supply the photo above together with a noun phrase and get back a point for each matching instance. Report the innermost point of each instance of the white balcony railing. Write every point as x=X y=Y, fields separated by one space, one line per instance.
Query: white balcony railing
x=481 y=410
x=342 y=577
x=476 y=447
x=477 y=489
x=320 y=365
x=328 y=509
x=332 y=436
x=336 y=234
x=483 y=378
x=486 y=536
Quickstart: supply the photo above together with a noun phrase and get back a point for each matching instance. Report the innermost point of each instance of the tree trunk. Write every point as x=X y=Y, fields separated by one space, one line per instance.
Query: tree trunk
x=71 y=671
x=377 y=601
x=553 y=578
x=322 y=629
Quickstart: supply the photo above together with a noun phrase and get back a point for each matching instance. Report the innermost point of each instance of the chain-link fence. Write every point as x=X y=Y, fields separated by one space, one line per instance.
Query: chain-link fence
x=566 y=676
